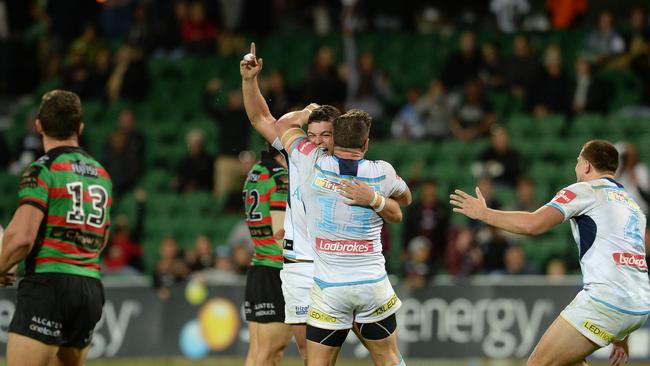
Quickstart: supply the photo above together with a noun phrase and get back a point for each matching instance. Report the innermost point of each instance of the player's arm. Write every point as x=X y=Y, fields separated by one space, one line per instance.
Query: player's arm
x=256 y=107
x=277 y=224
x=289 y=127
x=519 y=222
x=278 y=203
x=20 y=236
x=359 y=193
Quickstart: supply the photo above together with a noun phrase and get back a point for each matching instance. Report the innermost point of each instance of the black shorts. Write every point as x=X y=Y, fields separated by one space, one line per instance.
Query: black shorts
x=263 y=301
x=58 y=309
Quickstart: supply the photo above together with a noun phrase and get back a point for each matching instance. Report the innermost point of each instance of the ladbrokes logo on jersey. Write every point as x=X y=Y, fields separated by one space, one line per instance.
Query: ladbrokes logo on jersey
x=630 y=260
x=344 y=246
x=564 y=196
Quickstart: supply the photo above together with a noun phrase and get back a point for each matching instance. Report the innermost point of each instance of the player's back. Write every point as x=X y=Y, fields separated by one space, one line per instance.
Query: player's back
x=75 y=193
x=265 y=190
x=346 y=238
x=609 y=227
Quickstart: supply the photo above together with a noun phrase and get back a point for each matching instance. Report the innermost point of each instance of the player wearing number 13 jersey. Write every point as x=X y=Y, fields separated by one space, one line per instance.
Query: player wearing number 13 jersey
x=60 y=227
x=609 y=228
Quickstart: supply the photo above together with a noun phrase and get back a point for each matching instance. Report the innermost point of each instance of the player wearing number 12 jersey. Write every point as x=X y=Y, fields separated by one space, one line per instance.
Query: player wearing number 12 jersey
x=59 y=229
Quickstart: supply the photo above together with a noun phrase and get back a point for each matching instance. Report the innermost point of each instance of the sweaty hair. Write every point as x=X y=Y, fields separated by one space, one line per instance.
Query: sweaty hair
x=324 y=113
x=351 y=129
x=601 y=154
x=60 y=114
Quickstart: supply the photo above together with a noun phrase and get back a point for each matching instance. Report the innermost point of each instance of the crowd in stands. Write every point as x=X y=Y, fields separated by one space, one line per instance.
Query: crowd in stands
x=104 y=53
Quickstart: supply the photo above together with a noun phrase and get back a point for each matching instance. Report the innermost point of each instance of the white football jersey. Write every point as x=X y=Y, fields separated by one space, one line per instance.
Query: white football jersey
x=297 y=245
x=609 y=228
x=346 y=239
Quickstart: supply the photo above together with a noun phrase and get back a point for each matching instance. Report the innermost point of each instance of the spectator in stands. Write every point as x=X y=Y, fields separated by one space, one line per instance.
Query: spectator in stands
x=170 y=269
x=5 y=153
x=634 y=175
x=526 y=200
x=123 y=255
x=604 y=42
x=509 y=13
x=239 y=240
x=30 y=146
x=435 y=111
x=87 y=45
x=587 y=93
x=417 y=264
x=324 y=84
x=203 y=254
x=556 y=269
x=124 y=154
x=499 y=161
x=197 y=32
x=280 y=98
x=408 y=123
x=129 y=78
x=75 y=72
x=548 y=93
x=515 y=262
x=491 y=72
x=234 y=135
x=141 y=34
x=428 y=218
x=463 y=65
x=98 y=76
x=521 y=68
x=367 y=88
x=196 y=170
x=566 y=13
x=463 y=257
x=473 y=116
x=493 y=246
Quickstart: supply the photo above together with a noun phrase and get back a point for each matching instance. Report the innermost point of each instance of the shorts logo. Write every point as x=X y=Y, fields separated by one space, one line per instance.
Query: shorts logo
x=305 y=147
x=344 y=246
x=320 y=316
x=302 y=310
x=564 y=196
x=387 y=306
x=593 y=328
x=630 y=260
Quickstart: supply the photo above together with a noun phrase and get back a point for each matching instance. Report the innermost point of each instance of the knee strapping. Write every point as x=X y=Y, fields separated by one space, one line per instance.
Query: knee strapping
x=379 y=330
x=327 y=337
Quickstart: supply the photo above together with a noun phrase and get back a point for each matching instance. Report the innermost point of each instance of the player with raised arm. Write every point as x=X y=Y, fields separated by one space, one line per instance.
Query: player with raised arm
x=59 y=228
x=609 y=228
x=265 y=200
x=350 y=280
x=298 y=270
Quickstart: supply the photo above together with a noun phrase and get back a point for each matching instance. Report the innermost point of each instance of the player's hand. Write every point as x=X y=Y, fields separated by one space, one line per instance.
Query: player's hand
x=8 y=279
x=619 y=353
x=358 y=192
x=250 y=69
x=474 y=208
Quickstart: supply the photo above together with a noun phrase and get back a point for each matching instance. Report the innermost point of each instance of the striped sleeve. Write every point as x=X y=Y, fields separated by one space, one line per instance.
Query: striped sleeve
x=34 y=186
x=278 y=197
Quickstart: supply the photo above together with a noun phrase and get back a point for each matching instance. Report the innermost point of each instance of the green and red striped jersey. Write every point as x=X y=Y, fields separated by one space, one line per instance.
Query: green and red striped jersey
x=75 y=194
x=265 y=190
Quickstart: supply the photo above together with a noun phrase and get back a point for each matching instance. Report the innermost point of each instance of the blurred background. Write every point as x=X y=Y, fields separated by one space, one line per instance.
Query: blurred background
x=499 y=94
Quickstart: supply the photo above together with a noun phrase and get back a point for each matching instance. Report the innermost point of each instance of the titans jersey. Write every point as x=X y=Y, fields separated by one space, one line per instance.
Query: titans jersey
x=346 y=239
x=609 y=228
x=296 y=238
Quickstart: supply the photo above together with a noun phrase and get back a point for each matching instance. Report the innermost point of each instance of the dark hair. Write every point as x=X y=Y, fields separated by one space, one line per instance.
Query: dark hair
x=324 y=113
x=351 y=129
x=601 y=154
x=60 y=114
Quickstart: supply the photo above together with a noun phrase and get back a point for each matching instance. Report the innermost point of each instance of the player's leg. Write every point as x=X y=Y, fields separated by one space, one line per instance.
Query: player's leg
x=562 y=344
x=70 y=356
x=273 y=338
x=22 y=350
x=300 y=335
x=297 y=280
x=381 y=340
x=252 y=344
x=323 y=345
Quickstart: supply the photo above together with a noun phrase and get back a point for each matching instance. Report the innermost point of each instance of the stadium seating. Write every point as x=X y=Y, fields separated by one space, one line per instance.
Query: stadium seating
x=548 y=145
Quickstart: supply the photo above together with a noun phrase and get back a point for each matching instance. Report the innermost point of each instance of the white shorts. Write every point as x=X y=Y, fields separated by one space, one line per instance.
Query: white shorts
x=297 y=279
x=337 y=307
x=598 y=322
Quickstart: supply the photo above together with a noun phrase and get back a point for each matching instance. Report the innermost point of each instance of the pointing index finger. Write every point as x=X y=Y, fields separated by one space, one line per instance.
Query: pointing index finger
x=253 y=48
